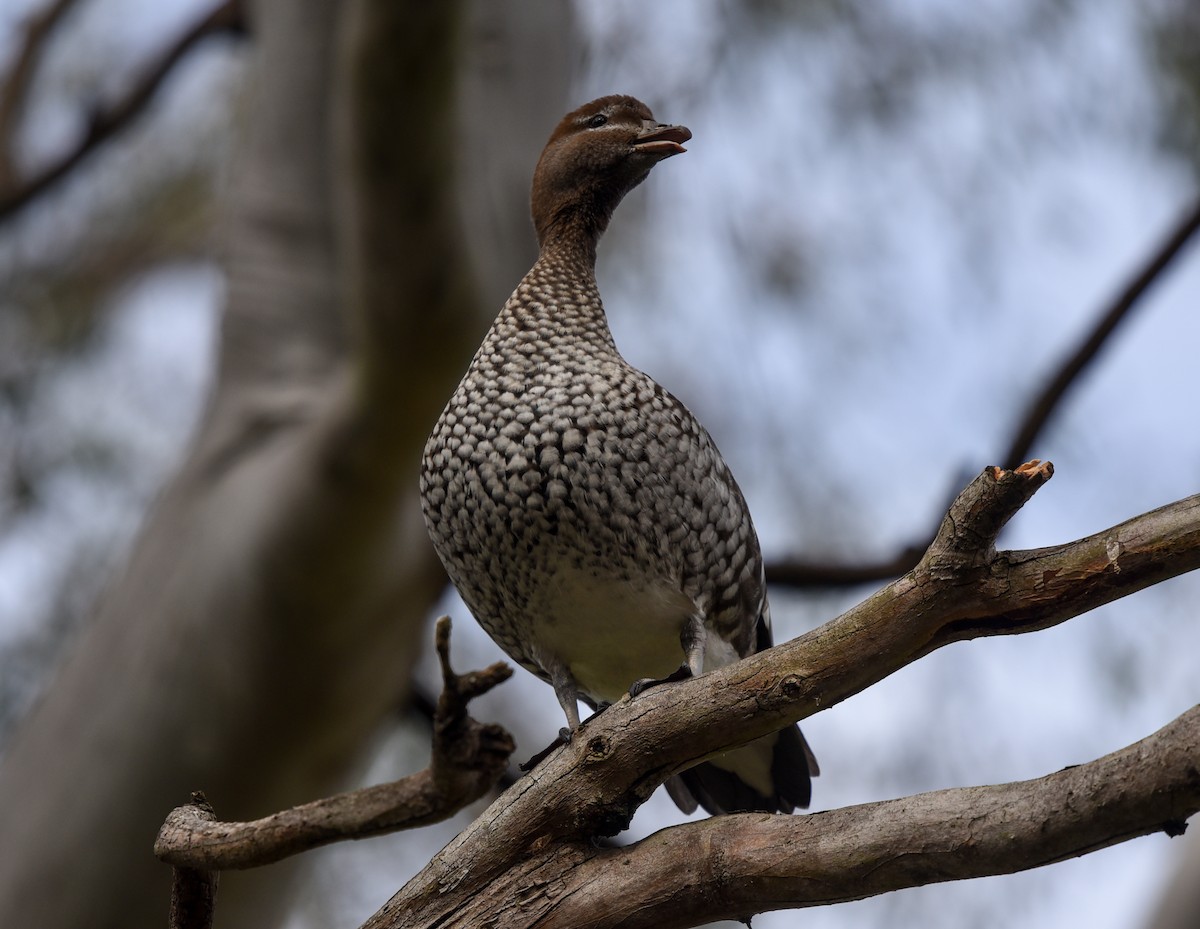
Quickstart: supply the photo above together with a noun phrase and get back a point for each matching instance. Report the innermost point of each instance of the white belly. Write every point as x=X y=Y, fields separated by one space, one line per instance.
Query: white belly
x=609 y=632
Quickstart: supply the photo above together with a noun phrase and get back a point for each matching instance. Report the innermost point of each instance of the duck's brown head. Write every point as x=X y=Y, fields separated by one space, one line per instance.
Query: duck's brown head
x=596 y=155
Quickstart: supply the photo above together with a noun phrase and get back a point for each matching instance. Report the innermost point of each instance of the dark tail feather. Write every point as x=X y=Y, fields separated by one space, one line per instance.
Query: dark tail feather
x=718 y=790
x=793 y=766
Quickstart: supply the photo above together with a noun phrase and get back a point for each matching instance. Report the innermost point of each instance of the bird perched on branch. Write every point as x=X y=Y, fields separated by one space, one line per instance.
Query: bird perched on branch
x=585 y=516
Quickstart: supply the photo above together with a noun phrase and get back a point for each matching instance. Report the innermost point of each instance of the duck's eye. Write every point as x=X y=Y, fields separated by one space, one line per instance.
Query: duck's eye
x=597 y=121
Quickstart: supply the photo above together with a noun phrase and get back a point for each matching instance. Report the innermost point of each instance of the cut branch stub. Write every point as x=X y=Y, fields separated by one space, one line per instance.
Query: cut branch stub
x=967 y=536
x=194 y=890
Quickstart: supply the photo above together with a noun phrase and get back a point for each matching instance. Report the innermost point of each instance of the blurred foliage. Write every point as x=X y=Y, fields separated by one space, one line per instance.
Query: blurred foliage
x=59 y=294
x=143 y=201
x=1173 y=36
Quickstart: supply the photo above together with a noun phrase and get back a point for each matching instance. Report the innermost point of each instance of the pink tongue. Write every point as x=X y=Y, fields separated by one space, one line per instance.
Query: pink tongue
x=663 y=145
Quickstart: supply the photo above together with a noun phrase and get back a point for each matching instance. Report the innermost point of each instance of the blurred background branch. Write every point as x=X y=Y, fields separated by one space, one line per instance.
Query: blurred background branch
x=806 y=574
x=15 y=87
x=1043 y=405
x=103 y=123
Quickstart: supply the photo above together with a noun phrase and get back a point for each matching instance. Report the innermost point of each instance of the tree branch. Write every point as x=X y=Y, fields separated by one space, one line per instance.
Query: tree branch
x=798 y=573
x=961 y=589
x=225 y=17
x=468 y=759
x=731 y=867
x=193 y=890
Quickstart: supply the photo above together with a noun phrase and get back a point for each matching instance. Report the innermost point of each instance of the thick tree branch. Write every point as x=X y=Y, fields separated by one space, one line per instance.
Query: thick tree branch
x=962 y=589
x=105 y=123
x=799 y=573
x=468 y=759
x=731 y=867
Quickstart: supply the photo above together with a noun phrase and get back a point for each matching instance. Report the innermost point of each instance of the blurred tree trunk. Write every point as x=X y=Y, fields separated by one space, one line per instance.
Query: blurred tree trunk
x=276 y=599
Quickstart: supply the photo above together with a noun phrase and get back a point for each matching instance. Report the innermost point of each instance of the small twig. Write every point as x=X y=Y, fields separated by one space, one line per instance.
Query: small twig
x=459 y=743
x=468 y=758
x=421 y=708
x=225 y=17
x=194 y=891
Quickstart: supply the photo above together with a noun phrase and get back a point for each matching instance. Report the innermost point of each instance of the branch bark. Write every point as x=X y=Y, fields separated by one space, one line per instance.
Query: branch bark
x=194 y=890
x=963 y=588
x=733 y=867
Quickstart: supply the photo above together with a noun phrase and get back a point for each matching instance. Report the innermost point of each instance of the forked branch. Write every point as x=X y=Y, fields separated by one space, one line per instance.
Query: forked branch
x=468 y=759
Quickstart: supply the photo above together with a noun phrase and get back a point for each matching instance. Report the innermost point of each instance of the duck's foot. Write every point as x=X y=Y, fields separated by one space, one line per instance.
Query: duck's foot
x=682 y=673
x=563 y=738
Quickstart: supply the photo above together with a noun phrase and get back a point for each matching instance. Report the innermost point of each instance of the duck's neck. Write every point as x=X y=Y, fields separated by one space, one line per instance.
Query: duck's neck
x=571 y=251
x=573 y=229
x=560 y=292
